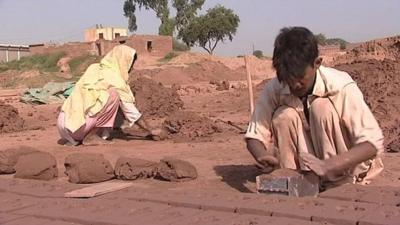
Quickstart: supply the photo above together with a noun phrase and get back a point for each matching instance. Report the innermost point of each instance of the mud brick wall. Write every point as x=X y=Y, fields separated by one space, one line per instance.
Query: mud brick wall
x=152 y=45
x=71 y=49
x=159 y=45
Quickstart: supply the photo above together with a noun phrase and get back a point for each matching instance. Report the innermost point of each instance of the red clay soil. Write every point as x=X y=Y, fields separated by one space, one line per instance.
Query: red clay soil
x=380 y=83
x=200 y=71
x=10 y=121
x=189 y=126
x=153 y=99
x=379 y=49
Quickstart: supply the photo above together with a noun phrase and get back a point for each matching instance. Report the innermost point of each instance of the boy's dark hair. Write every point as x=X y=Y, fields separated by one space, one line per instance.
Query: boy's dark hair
x=295 y=48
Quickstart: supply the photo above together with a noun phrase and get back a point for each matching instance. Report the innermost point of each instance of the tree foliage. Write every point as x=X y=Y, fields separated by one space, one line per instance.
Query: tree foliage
x=185 y=11
x=323 y=40
x=258 y=53
x=217 y=25
x=129 y=12
x=160 y=7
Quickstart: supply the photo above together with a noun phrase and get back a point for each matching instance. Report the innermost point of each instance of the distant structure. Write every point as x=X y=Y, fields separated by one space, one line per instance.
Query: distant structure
x=153 y=45
x=104 y=33
x=10 y=52
x=150 y=45
x=100 y=40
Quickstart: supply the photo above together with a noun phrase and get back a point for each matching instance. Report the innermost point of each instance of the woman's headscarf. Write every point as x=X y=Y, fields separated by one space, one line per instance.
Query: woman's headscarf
x=91 y=91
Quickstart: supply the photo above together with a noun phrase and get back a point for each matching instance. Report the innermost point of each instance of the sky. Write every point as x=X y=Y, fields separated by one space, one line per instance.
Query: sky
x=41 y=21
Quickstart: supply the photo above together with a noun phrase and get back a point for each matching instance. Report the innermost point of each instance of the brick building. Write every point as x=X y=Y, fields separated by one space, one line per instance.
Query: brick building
x=151 y=45
x=105 y=33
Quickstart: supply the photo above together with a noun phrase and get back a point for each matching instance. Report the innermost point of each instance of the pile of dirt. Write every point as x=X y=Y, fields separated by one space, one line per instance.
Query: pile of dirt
x=134 y=168
x=189 y=126
x=380 y=49
x=10 y=121
x=176 y=170
x=380 y=81
x=258 y=67
x=9 y=158
x=205 y=71
x=37 y=166
x=86 y=168
x=221 y=85
x=153 y=99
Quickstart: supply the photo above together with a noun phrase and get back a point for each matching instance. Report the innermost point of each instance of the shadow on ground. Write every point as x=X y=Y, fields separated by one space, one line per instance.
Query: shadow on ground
x=237 y=175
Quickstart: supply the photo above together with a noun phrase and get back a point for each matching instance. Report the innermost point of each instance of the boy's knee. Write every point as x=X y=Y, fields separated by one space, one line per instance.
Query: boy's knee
x=283 y=116
x=322 y=109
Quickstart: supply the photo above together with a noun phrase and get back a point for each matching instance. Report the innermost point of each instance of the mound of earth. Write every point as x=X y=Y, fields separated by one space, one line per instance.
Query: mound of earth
x=205 y=70
x=87 y=168
x=380 y=49
x=176 y=170
x=186 y=126
x=9 y=158
x=380 y=81
x=258 y=67
x=153 y=99
x=10 y=121
x=37 y=166
x=134 y=168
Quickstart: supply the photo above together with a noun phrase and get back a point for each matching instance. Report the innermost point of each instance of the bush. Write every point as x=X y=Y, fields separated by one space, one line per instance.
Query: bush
x=258 y=53
x=168 y=57
x=79 y=64
x=44 y=63
x=179 y=46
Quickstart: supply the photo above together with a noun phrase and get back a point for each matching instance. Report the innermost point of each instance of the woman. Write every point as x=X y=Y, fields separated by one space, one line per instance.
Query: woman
x=97 y=96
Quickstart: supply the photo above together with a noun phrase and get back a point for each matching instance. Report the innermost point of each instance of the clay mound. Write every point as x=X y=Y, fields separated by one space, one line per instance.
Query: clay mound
x=86 y=168
x=258 y=67
x=187 y=126
x=37 y=165
x=380 y=81
x=9 y=158
x=205 y=70
x=380 y=49
x=10 y=121
x=133 y=168
x=153 y=99
x=176 y=170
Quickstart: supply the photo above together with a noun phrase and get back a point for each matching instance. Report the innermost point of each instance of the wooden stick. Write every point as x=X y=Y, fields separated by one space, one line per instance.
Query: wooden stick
x=249 y=83
x=97 y=189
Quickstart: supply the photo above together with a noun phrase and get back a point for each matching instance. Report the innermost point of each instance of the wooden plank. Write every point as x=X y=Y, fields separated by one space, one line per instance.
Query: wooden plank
x=249 y=83
x=97 y=189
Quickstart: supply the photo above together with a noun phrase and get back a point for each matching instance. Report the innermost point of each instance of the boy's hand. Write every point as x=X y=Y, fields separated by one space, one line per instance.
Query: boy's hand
x=323 y=168
x=267 y=163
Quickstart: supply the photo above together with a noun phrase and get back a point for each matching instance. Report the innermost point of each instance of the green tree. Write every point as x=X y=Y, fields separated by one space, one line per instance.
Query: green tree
x=206 y=31
x=258 y=53
x=186 y=10
x=179 y=46
x=160 y=7
x=323 y=40
x=129 y=12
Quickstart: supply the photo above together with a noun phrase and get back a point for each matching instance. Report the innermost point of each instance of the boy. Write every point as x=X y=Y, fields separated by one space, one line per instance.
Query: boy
x=312 y=117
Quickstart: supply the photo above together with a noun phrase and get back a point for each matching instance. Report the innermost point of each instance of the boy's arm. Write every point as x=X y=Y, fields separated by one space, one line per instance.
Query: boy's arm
x=258 y=134
x=337 y=165
x=265 y=158
x=364 y=133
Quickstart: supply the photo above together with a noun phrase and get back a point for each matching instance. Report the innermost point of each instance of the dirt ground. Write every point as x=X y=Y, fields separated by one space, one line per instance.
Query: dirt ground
x=224 y=191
